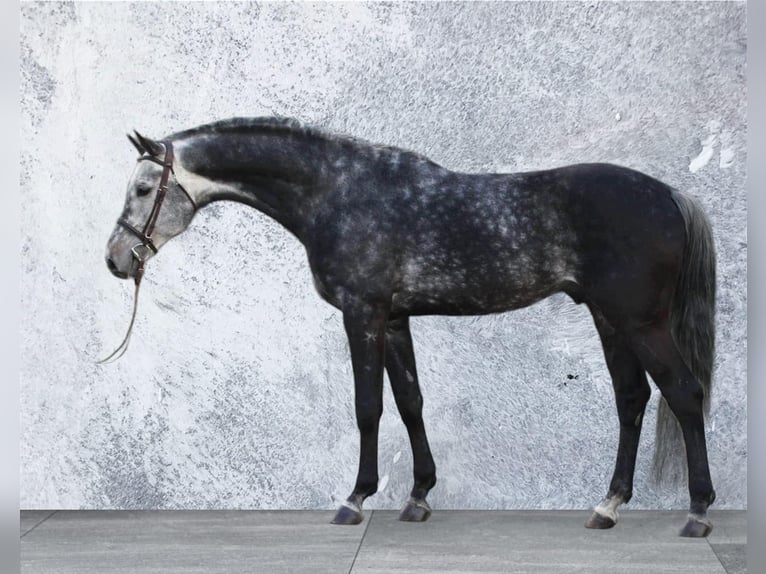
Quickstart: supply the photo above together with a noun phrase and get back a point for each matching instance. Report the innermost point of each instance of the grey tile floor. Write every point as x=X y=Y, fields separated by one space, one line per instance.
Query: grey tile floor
x=212 y=542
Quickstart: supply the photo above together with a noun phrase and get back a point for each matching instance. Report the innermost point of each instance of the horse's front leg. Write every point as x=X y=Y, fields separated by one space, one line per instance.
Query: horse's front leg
x=365 y=327
x=400 y=365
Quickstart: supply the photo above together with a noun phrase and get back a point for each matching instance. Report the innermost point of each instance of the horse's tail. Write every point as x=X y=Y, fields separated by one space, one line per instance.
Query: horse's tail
x=693 y=329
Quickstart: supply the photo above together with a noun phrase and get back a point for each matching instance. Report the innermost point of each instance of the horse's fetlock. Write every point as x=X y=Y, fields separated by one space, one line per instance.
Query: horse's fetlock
x=626 y=496
x=620 y=491
x=701 y=501
x=425 y=480
x=366 y=489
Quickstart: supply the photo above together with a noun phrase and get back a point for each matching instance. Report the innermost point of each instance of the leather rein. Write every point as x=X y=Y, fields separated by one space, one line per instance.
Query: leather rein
x=145 y=235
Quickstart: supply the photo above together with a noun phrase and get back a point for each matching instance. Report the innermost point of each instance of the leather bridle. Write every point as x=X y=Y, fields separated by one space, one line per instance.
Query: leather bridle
x=145 y=235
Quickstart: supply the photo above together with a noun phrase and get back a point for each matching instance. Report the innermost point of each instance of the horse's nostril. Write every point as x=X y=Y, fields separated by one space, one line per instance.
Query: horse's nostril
x=113 y=268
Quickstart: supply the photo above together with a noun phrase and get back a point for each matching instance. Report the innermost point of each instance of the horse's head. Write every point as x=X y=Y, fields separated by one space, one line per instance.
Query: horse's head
x=157 y=208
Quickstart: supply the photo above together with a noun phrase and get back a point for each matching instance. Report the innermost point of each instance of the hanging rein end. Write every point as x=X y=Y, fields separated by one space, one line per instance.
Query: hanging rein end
x=123 y=346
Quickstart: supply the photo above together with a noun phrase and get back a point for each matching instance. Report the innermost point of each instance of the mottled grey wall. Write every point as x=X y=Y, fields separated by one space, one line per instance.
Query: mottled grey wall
x=236 y=391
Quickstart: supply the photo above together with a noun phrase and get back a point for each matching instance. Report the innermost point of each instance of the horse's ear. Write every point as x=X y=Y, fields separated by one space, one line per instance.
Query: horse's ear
x=151 y=146
x=136 y=145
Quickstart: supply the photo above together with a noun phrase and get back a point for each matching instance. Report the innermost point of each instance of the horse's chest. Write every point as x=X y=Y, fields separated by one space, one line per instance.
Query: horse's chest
x=328 y=288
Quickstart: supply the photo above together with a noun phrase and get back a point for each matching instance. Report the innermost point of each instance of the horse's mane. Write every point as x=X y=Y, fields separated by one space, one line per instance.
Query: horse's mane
x=263 y=124
x=276 y=124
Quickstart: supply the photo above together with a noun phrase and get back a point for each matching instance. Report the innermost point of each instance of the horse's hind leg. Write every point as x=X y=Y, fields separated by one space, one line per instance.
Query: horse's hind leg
x=659 y=355
x=631 y=393
x=400 y=365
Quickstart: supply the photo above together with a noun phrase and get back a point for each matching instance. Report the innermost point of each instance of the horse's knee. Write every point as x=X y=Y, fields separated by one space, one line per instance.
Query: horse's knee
x=368 y=416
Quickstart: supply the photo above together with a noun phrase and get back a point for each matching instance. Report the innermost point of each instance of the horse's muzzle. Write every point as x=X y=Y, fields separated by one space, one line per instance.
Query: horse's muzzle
x=114 y=270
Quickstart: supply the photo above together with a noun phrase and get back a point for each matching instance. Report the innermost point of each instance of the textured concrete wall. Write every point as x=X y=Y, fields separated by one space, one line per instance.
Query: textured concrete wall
x=236 y=391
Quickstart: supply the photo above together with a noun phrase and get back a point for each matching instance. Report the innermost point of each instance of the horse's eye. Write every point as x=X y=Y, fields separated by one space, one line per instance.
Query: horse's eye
x=143 y=190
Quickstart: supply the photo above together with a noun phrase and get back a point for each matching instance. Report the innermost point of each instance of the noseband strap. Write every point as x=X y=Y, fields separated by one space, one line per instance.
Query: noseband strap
x=145 y=235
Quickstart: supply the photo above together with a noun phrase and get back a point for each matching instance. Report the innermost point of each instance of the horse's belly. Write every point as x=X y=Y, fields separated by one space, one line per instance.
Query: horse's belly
x=445 y=296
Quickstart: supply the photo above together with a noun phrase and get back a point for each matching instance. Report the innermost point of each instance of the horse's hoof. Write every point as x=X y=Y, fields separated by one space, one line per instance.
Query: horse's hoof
x=599 y=522
x=696 y=528
x=415 y=511
x=348 y=515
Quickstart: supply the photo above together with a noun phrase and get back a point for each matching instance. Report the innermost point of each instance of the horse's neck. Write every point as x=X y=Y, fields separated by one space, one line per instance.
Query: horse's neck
x=274 y=173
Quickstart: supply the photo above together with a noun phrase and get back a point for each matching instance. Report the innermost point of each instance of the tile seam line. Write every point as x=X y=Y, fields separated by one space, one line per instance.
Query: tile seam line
x=707 y=539
x=38 y=524
x=361 y=541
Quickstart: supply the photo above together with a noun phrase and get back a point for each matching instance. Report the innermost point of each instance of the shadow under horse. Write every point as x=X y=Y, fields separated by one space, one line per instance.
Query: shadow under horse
x=390 y=234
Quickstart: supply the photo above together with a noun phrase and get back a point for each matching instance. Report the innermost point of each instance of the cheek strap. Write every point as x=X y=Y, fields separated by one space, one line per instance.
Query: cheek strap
x=145 y=235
